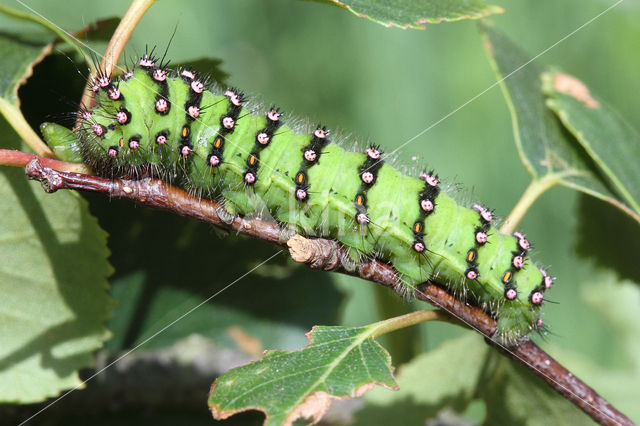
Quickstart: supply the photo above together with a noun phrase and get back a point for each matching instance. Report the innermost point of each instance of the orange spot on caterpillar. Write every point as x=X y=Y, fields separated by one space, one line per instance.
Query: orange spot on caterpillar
x=218 y=142
x=471 y=256
x=506 y=277
x=121 y=142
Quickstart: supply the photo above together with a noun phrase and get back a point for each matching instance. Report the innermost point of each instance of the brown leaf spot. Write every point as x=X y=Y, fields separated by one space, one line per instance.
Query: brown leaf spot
x=362 y=390
x=314 y=405
x=569 y=85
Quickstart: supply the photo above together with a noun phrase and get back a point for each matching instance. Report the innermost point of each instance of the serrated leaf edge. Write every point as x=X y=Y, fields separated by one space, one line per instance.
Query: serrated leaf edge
x=299 y=409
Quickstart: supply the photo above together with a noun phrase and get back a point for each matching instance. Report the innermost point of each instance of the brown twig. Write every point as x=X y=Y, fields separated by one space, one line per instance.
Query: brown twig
x=326 y=254
x=12 y=157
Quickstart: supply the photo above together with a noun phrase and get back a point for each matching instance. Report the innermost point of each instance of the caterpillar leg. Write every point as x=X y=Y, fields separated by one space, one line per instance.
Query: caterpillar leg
x=227 y=213
x=351 y=259
x=286 y=233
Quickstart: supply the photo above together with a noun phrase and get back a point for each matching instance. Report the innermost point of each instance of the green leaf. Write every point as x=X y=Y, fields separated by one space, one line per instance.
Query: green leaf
x=53 y=285
x=617 y=234
x=20 y=52
x=415 y=13
x=546 y=149
x=18 y=57
x=609 y=140
x=50 y=27
x=339 y=362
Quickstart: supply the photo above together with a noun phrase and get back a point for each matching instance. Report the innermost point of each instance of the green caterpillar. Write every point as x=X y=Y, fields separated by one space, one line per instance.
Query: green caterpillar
x=159 y=122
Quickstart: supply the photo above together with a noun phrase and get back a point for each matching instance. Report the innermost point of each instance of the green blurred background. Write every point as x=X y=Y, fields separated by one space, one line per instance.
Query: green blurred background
x=383 y=84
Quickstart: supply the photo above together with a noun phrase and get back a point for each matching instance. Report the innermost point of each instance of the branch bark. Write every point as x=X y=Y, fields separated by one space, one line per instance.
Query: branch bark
x=326 y=255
